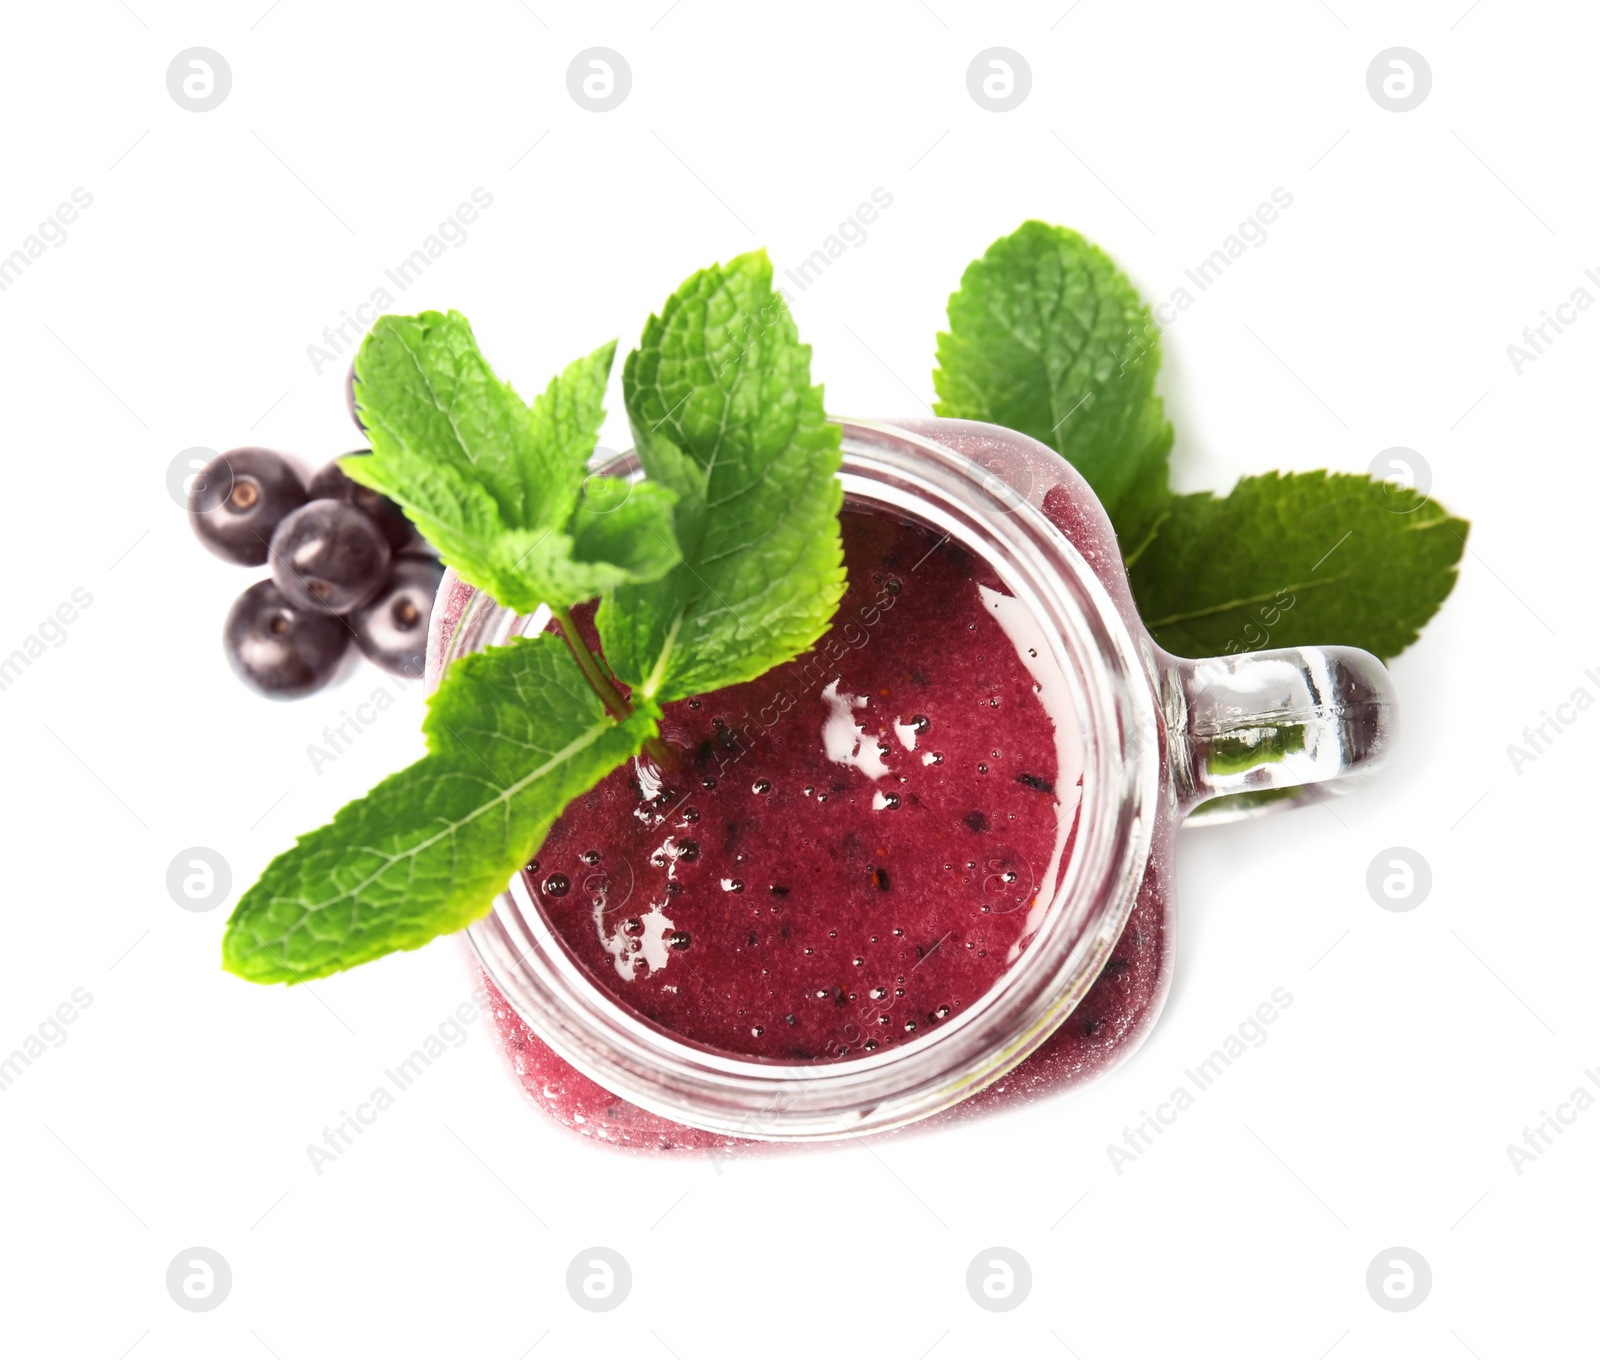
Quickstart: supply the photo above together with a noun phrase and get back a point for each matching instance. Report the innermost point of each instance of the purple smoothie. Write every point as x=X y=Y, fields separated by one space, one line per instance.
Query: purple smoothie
x=846 y=854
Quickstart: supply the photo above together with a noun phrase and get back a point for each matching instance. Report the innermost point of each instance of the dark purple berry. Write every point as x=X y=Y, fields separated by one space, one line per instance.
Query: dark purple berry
x=332 y=484
x=329 y=556
x=278 y=650
x=239 y=499
x=392 y=628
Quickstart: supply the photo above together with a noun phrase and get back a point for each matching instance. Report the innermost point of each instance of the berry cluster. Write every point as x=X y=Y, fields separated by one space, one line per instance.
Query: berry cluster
x=346 y=566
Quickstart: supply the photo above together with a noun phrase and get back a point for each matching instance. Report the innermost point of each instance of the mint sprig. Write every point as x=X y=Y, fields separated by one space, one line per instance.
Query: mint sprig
x=1048 y=337
x=741 y=470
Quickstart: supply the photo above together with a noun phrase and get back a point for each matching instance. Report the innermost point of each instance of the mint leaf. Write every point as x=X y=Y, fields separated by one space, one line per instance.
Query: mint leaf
x=514 y=734
x=1048 y=337
x=1297 y=559
x=723 y=412
x=497 y=487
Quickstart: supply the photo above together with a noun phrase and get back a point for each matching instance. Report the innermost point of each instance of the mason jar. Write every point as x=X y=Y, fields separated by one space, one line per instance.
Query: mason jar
x=1155 y=737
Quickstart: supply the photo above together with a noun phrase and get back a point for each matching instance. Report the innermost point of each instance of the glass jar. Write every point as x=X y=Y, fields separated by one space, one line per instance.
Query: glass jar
x=1159 y=735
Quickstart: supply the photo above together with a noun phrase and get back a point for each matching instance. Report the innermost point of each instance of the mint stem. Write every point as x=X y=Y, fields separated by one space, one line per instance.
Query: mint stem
x=601 y=683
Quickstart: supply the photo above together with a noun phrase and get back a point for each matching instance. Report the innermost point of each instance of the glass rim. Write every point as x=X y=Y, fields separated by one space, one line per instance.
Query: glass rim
x=1107 y=674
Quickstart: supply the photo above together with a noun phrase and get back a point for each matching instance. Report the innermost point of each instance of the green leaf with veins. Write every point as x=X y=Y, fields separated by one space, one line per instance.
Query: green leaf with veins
x=498 y=487
x=723 y=412
x=1297 y=559
x=513 y=735
x=1047 y=336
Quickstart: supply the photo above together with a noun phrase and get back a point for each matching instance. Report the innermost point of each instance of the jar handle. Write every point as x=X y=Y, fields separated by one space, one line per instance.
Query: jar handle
x=1259 y=725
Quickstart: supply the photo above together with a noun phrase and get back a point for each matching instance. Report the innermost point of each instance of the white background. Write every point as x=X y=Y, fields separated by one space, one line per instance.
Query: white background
x=179 y=312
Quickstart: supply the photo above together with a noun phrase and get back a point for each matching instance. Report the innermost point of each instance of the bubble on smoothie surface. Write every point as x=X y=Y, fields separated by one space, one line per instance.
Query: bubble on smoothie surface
x=907 y=732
